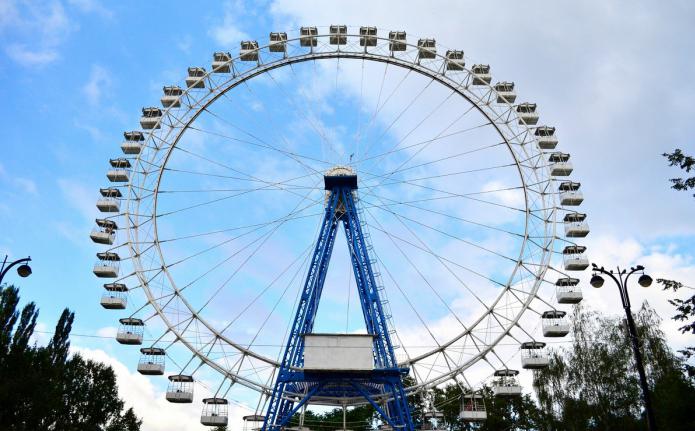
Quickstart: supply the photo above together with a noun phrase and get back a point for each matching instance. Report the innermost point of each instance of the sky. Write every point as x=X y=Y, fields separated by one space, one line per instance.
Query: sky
x=615 y=78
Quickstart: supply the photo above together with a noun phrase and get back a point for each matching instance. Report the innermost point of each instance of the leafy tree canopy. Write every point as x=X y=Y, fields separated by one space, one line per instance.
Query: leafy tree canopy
x=43 y=388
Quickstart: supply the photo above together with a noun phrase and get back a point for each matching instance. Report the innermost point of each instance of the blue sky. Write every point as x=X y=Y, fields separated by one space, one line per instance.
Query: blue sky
x=615 y=78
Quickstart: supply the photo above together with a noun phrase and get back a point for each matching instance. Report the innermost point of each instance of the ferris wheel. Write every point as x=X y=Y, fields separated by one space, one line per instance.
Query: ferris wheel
x=463 y=219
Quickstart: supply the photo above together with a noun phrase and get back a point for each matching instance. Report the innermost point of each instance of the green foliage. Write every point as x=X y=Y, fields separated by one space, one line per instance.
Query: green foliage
x=590 y=385
x=687 y=163
x=41 y=388
x=356 y=419
x=594 y=385
x=685 y=311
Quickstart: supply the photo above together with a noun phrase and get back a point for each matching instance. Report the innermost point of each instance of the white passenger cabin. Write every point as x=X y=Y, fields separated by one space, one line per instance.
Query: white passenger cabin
x=570 y=195
x=472 y=408
x=151 y=118
x=215 y=412
x=152 y=361
x=367 y=36
x=567 y=291
x=114 y=298
x=426 y=49
x=221 y=62
x=397 y=41
x=107 y=265
x=574 y=259
x=119 y=170
x=253 y=422
x=248 y=50
x=104 y=232
x=133 y=143
x=533 y=355
x=337 y=35
x=527 y=113
x=277 y=42
x=560 y=165
x=109 y=202
x=554 y=324
x=455 y=60
x=433 y=421
x=180 y=389
x=308 y=36
x=481 y=74
x=545 y=136
x=505 y=383
x=172 y=96
x=505 y=92
x=196 y=77
x=576 y=225
x=131 y=331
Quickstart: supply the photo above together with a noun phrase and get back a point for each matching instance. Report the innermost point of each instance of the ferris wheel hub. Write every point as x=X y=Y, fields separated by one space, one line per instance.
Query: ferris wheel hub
x=340 y=176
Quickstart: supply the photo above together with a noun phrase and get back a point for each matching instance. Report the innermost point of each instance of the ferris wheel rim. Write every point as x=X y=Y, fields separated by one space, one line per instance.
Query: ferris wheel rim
x=315 y=56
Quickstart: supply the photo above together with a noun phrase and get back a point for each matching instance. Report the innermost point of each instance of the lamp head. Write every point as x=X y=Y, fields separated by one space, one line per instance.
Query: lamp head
x=596 y=281
x=24 y=270
x=645 y=280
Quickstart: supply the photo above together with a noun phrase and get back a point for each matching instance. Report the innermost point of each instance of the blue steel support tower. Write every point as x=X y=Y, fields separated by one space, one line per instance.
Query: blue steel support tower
x=382 y=387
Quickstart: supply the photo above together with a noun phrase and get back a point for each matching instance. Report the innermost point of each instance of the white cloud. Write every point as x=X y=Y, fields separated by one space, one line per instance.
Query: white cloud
x=26 y=185
x=184 y=44
x=8 y=13
x=228 y=32
x=108 y=331
x=91 y=6
x=99 y=82
x=27 y=57
x=78 y=196
x=37 y=30
x=148 y=400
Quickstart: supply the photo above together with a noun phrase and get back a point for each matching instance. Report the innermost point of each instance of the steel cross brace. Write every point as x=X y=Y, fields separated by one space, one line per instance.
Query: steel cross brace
x=340 y=207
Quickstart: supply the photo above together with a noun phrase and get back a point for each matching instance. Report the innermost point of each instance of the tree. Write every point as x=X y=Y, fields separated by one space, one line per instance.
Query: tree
x=593 y=385
x=685 y=307
x=687 y=163
x=43 y=388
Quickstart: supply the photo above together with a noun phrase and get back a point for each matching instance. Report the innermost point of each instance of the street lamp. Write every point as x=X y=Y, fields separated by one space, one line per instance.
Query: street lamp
x=620 y=277
x=23 y=270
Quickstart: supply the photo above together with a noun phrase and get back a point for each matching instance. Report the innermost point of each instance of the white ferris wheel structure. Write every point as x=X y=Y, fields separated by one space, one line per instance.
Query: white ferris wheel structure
x=212 y=211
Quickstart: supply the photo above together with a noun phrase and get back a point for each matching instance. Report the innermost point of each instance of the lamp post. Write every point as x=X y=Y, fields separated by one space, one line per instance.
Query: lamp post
x=23 y=270
x=620 y=277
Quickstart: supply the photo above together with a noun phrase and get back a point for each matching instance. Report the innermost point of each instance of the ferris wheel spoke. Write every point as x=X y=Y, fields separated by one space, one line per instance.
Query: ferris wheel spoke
x=244 y=174
x=431 y=140
x=468 y=196
x=234 y=195
x=427 y=141
x=442 y=159
x=303 y=109
x=408 y=300
x=209 y=174
x=274 y=225
x=265 y=238
x=411 y=204
x=447 y=234
x=303 y=256
x=400 y=114
x=424 y=279
x=438 y=176
x=293 y=216
x=463 y=267
x=261 y=143
x=378 y=106
x=360 y=106
x=465 y=285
